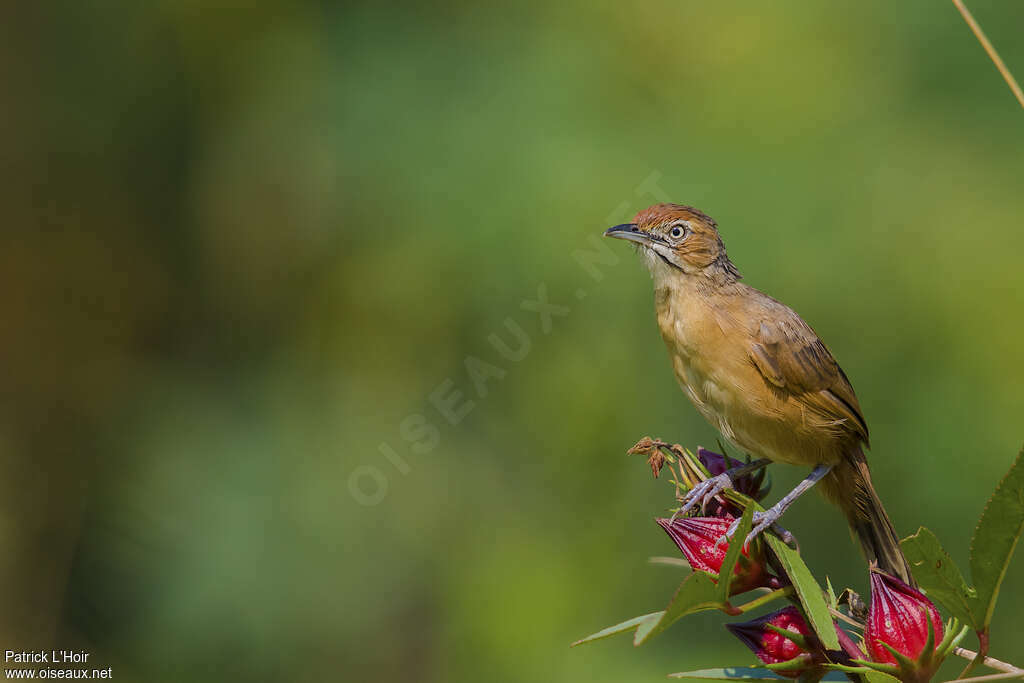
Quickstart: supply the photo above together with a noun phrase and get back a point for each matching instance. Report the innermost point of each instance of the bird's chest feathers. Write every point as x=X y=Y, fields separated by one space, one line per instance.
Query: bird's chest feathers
x=695 y=338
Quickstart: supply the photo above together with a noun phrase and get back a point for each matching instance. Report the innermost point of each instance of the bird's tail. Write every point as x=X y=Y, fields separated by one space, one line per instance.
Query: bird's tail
x=849 y=485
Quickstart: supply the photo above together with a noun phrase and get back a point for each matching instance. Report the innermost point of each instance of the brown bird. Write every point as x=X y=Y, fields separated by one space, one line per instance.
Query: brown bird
x=760 y=374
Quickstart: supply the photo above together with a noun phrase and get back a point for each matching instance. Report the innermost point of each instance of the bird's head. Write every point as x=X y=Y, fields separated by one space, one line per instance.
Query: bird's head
x=680 y=237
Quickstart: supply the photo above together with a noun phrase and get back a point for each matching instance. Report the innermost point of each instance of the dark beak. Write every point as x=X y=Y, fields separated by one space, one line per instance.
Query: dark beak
x=628 y=231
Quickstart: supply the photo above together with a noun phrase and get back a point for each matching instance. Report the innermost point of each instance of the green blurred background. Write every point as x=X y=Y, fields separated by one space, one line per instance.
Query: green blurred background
x=243 y=248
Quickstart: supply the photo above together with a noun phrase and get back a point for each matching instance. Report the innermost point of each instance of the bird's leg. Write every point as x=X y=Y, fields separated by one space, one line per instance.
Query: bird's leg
x=763 y=520
x=706 y=490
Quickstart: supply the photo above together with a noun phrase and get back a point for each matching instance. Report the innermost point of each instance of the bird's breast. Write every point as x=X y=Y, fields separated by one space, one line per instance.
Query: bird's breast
x=710 y=358
x=701 y=359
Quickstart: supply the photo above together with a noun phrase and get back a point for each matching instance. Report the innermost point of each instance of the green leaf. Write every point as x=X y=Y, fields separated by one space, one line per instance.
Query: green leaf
x=807 y=589
x=995 y=539
x=627 y=625
x=644 y=629
x=940 y=578
x=879 y=677
x=732 y=555
x=996 y=536
x=744 y=673
x=698 y=592
x=871 y=675
x=830 y=594
x=730 y=673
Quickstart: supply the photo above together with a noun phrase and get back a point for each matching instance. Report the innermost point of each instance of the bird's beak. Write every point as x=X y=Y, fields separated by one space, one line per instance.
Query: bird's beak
x=628 y=231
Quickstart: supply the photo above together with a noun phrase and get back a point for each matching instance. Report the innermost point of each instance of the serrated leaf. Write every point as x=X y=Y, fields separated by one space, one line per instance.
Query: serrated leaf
x=622 y=627
x=697 y=592
x=745 y=673
x=732 y=555
x=940 y=578
x=807 y=589
x=996 y=537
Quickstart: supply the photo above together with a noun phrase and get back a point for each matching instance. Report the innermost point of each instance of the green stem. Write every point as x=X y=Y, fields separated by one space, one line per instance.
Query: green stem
x=765 y=599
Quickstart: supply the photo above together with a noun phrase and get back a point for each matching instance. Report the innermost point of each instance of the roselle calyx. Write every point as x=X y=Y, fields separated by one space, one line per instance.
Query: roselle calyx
x=697 y=538
x=899 y=617
x=798 y=645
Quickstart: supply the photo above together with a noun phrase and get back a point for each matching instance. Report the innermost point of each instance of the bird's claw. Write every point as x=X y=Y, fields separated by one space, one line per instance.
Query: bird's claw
x=760 y=523
x=704 y=493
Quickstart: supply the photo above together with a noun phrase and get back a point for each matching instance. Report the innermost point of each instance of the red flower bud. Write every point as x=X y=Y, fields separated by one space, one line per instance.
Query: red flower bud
x=747 y=484
x=899 y=617
x=715 y=462
x=697 y=538
x=771 y=647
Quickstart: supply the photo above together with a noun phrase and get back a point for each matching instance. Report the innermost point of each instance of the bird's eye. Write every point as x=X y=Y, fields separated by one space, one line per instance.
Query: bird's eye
x=676 y=232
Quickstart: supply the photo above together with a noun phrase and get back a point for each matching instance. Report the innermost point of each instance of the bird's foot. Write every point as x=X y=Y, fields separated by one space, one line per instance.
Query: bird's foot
x=704 y=492
x=760 y=523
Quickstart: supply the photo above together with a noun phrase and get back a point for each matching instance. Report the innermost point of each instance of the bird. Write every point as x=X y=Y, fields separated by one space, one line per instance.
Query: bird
x=759 y=374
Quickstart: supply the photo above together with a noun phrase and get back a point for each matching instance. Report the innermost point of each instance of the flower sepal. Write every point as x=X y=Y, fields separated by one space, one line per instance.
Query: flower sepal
x=698 y=539
x=805 y=668
x=799 y=638
x=904 y=635
x=927 y=663
x=784 y=643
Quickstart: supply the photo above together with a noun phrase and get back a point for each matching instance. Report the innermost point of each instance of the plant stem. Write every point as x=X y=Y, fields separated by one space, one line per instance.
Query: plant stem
x=992 y=677
x=981 y=654
x=765 y=599
x=993 y=55
x=990 y=662
x=849 y=647
x=842 y=617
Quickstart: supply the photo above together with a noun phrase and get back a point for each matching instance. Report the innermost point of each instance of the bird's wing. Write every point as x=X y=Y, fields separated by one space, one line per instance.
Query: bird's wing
x=790 y=356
